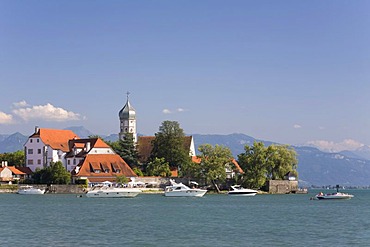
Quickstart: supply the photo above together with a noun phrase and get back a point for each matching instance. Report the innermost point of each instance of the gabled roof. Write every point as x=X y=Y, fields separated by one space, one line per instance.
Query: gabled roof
x=82 y=143
x=26 y=170
x=145 y=147
x=101 y=162
x=16 y=171
x=56 y=139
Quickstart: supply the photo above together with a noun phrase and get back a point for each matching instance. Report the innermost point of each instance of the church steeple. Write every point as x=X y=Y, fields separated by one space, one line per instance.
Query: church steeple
x=127 y=117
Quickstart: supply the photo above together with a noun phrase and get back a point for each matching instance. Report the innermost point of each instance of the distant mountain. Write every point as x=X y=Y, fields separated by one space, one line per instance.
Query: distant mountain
x=12 y=143
x=314 y=166
x=363 y=152
x=235 y=142
x=81 y=131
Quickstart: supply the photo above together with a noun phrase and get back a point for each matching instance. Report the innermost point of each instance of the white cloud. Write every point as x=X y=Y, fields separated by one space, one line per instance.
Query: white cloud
x=20 y=104
x=297 y=126
x=329 y=146
x=5 y=118
x=166 y=111
x=46 y=112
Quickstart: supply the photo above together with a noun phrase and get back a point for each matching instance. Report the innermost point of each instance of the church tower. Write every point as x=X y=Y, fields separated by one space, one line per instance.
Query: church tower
x=127 y=117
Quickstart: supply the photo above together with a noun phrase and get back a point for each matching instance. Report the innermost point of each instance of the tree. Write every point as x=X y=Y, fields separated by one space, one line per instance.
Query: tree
x=169 y=144
x=53 y=174
x=158 y=167
x=213 y=162
x=122 y=179
x=280 y=160
x=14 y=159
x=127 y=150
x=262 y=163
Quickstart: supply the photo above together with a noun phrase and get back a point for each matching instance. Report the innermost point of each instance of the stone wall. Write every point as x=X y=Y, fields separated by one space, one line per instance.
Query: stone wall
x=282 y=186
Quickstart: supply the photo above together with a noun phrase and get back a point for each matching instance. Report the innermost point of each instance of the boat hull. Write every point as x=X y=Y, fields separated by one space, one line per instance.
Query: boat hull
x=31 y=192
x=334 y=196
x=242 y=193
x=187 y=193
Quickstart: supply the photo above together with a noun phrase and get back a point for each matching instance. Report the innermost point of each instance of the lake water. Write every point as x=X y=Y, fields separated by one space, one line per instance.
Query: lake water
x=155 y=220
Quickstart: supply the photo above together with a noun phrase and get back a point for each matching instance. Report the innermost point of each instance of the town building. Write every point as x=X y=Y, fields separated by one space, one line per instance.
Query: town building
x=127 y=117
x=94 y=160
x=90 y=158
x=47 y=145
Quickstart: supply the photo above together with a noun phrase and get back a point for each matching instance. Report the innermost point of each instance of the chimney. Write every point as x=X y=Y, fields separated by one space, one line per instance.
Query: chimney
x=6 y=163
x=88 y=146
x=37 y=129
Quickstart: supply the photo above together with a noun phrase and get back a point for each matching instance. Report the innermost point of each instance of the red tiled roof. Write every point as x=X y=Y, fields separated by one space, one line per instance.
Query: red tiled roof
x=16 y=171
x=56 y=139
x=144 y=146
x=26 y=170
x=99 y=161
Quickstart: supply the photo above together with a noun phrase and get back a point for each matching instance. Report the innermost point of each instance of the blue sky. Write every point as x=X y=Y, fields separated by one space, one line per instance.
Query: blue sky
x=287 y=71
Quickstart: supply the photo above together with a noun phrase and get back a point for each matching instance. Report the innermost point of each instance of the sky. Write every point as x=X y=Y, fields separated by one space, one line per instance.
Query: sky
x=293 y=72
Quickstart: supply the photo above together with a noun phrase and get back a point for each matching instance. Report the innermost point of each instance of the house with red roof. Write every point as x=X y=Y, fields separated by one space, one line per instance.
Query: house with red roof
x=47 y=145
x=145 y=147
x=94 y=160
x=89 y=158
x=10 y=174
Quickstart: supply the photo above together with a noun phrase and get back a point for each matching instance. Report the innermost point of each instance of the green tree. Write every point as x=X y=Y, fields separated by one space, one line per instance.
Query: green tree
x=127 y=150
x=53 y=174
x=213 y=162
x=169 y=144
x=158 y=167
x=122 y=179
x=14 y=159
x=262 y=163
x=280 y=159
x=252 y=161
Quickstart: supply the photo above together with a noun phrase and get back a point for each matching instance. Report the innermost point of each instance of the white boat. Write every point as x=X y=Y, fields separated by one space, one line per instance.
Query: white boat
x=237 y=190
x=180 y=189
x=112 y=192
x=335 y=195
x=30 y=190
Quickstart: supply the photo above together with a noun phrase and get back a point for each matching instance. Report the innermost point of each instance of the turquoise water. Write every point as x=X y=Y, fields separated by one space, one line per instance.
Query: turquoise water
x=155 y=220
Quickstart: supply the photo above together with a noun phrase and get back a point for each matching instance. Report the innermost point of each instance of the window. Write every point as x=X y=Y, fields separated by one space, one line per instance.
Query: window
x=29 y=162
x=39 y=151
x=74 y=161
x=38 y=140
x=39 y=162
x=30 y=151
x=97 y=171
x=30 y=140
x=68 y=162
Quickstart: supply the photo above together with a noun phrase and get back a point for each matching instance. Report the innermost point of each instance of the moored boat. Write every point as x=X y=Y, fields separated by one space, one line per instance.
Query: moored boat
x=112 y=192
x=237 y=190
x=180 y=189
x=335 y=195
x=30 y=190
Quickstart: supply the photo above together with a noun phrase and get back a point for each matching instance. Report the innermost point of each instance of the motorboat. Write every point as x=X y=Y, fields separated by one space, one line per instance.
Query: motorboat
x=237 y=190
x=335 y=195
x=112 y=192
x=180 y=189
x=30 y=190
